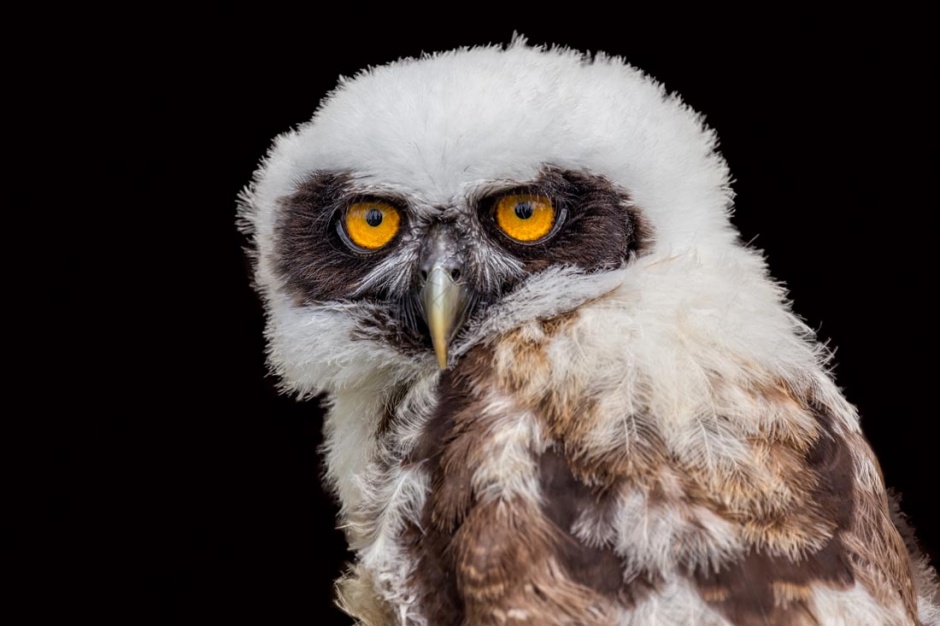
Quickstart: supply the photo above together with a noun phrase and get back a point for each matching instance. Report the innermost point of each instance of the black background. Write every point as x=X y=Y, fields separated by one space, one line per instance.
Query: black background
x=189 y=490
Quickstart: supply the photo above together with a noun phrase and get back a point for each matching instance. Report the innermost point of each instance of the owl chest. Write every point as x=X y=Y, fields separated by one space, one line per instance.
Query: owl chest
x=542 y=507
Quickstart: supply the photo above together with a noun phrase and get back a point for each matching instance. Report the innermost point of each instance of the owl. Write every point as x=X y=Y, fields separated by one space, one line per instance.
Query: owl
x=560 y=390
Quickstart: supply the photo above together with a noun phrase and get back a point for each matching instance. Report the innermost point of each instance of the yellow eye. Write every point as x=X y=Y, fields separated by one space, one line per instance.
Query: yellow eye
x=525 y=217
x=371 y=225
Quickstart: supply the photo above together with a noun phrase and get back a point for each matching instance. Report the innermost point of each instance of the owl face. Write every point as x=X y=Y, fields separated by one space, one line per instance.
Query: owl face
x=423 y=271
x=427 y=204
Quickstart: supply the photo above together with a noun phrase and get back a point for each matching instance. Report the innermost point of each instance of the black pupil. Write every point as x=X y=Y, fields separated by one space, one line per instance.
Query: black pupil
x=374 y=217
x=524 y=210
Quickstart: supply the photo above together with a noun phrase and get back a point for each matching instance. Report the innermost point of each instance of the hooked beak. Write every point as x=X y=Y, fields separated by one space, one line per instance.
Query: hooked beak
x=443 y=303
x=443 y=295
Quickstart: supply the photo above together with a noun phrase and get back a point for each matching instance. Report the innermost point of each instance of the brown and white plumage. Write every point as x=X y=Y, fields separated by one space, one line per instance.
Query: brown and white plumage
x=632 y=427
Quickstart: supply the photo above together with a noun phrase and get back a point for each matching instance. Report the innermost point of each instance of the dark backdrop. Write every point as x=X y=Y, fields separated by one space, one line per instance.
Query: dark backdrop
x=191 y=489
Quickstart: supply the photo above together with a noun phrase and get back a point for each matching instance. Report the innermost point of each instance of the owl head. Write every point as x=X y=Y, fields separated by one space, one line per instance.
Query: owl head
x=433 y=203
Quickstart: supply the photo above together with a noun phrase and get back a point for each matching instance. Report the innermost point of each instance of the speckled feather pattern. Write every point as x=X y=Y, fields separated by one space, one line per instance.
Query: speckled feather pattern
x=652 y=441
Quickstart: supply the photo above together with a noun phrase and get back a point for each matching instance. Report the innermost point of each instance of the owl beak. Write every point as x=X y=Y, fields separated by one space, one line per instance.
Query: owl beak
x=444 y=302
x=443 y=295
